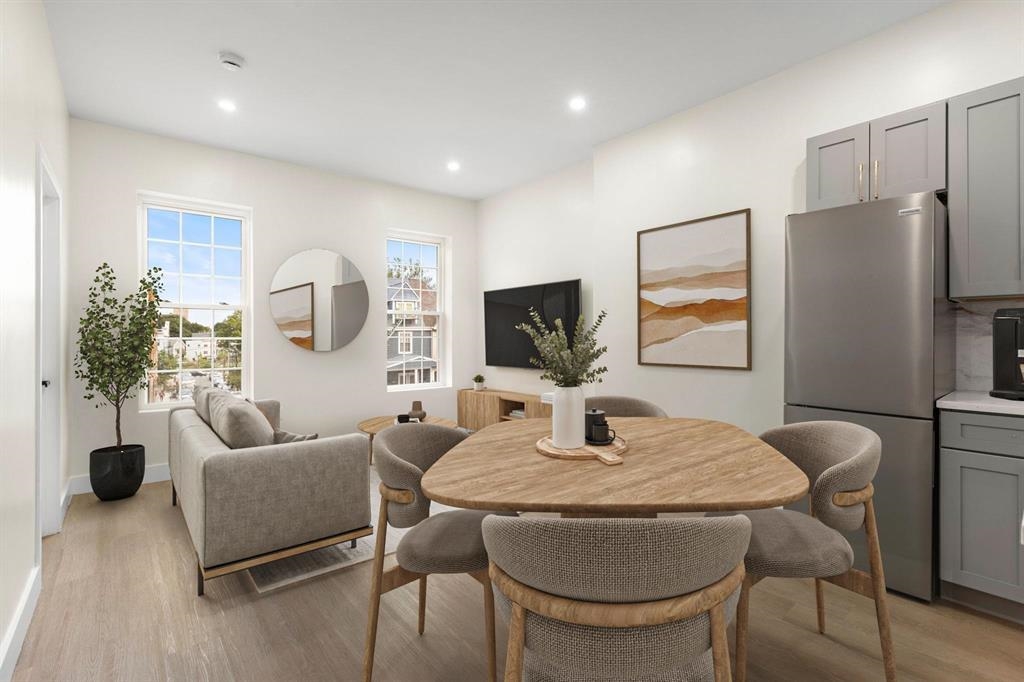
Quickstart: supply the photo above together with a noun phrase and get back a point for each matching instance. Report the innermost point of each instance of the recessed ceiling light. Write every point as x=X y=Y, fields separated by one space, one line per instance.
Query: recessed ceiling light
x=227 y=105
x=454 y=166
x=578 y=103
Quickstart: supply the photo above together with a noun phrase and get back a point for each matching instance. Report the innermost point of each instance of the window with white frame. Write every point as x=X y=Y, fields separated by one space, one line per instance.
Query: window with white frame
x=415 y=275
x=202 y=333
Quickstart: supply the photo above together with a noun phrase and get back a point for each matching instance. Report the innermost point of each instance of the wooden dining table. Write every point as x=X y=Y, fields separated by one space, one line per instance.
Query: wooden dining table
x=670 y=465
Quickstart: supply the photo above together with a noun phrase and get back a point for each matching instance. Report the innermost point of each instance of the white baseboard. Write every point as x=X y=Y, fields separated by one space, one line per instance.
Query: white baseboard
x=78 y=485
x=14 y=637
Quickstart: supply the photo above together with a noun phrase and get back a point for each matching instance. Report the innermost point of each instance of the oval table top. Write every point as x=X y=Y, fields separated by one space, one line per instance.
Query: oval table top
x=671 y=465
x=375 y=425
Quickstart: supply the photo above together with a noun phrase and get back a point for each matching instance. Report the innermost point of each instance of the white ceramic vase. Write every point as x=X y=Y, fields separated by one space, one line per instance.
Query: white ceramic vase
x=567 y=420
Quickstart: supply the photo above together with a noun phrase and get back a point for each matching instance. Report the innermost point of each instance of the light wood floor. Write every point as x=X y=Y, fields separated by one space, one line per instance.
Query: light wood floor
x=118 y=603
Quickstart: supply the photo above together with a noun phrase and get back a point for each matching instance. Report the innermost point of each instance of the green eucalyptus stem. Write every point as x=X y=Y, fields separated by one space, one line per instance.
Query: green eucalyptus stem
x=561 y=364
x=115 y=340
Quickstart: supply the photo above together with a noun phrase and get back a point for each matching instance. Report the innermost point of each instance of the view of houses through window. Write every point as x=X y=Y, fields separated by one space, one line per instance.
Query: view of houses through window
x=414 y=272
x=200 y=333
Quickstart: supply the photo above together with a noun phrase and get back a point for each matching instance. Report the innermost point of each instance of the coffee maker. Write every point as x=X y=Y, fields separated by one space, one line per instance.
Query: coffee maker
x=1008 y=354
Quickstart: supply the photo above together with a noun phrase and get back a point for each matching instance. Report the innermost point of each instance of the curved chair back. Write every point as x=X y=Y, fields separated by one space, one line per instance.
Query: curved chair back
x=624 y=406
x=402 y=454
x=838 y=457
x=594 y=591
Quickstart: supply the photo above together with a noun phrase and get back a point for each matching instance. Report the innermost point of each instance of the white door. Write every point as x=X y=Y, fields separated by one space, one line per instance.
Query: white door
x=48 y=336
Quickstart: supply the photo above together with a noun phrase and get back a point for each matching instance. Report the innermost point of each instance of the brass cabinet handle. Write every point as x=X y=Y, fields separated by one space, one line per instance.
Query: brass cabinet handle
x=876 y=178
x=860 y=182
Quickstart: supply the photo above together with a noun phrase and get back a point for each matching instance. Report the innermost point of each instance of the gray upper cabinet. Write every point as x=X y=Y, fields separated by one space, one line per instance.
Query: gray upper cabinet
x=888 y=157
x=837 y=164
x=908 y=152
x=986 y=188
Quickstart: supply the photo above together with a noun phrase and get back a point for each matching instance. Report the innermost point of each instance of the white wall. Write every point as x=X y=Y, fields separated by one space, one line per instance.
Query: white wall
x=743 y=150
x=33 y=117
x=294 y=208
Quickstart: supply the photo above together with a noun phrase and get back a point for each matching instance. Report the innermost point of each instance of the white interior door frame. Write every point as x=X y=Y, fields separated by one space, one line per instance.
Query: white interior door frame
x=49 y=355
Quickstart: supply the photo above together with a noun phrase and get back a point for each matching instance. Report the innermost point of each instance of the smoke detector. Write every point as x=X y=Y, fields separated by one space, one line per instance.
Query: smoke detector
x=231 y=61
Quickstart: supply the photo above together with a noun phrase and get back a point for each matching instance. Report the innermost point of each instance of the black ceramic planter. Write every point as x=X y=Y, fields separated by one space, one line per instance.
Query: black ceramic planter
x=116 y=472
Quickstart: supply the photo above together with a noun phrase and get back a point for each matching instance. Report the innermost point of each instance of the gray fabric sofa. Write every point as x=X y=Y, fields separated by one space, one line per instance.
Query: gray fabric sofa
x=251 y=505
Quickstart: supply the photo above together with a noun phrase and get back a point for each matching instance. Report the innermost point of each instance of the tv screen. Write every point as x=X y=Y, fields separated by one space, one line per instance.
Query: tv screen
x=505 y=345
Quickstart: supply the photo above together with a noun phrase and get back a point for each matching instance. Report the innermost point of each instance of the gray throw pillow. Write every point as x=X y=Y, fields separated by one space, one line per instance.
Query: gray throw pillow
x=289 y=437
x=238 y=423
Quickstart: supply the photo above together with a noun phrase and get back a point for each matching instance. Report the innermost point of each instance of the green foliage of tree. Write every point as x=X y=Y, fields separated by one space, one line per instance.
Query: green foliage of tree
x=404 y=269
x=229 y=326
x=179 y=325
x=564 y=365
x=115 y=339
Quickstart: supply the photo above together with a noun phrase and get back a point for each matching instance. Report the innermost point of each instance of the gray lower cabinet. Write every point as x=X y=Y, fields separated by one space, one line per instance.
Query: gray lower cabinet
x=837 y=167
x=986 y=191
x=981 y=507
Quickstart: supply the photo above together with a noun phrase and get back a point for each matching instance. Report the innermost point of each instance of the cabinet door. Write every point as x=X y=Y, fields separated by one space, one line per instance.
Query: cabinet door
x=837 y=169
x=981 y=507
x=986 y=187
x=908 y=152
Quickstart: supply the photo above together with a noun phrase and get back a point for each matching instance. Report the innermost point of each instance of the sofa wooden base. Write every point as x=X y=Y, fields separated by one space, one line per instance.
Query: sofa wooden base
x=204 y=574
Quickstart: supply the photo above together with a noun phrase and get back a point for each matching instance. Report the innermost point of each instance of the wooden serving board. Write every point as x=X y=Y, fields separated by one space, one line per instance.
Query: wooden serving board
x=607 y=454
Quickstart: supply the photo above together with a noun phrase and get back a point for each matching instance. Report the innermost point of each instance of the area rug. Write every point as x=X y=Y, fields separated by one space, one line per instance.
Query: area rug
x=278 y=574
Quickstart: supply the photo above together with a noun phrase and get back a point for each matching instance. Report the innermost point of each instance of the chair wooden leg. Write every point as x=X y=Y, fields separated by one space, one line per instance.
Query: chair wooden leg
x=516 y=637
x=878 y=586
x=200 y=583
x=720 y=643
x=742 y=621
x=492 y=663
x=375 y=590
x=819 y=597
x=423 y=604
x=174 y=496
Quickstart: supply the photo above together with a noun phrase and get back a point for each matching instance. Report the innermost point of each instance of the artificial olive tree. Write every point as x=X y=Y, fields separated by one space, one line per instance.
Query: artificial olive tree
x=115 y=340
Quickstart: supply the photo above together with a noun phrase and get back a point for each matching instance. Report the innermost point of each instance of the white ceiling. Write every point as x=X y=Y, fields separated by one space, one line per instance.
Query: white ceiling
x=393 y=90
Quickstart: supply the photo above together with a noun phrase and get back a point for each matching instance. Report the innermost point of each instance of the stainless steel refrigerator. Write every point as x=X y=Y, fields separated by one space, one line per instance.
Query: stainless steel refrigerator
x=870 y=339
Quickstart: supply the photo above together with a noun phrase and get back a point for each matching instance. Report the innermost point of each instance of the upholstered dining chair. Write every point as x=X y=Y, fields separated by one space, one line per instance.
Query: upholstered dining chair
x=448 y=542
x=624 y=406
x=840 y=459
x=656 y=607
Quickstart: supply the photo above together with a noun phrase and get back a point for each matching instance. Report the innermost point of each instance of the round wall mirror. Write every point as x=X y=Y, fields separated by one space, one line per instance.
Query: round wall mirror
x=319 y=300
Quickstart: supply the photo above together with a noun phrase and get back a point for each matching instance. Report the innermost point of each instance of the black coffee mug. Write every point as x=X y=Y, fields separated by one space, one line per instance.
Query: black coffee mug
x=403 y=419
x=600 y=433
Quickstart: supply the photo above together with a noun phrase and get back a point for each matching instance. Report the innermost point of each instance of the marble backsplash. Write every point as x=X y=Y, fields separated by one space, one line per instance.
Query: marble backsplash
x=974 y=342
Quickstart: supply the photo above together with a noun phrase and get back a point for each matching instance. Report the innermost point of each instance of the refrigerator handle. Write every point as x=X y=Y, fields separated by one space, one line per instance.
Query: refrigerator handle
x=1022 y=529
x=860 y=182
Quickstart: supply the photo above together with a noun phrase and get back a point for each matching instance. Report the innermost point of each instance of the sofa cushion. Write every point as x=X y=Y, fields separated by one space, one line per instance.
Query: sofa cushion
x=238 y=423
x=289 y=437
x=201 y=397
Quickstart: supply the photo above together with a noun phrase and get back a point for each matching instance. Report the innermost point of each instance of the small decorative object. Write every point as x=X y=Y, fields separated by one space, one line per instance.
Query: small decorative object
x=693 y=285
x=597 y=430
x=402 y=418
x=115 y=354
x=569 y=368
x=417 y=412
x=478 y=382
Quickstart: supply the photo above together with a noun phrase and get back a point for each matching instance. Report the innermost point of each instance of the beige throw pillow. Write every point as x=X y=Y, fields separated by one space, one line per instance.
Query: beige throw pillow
x=238 y=423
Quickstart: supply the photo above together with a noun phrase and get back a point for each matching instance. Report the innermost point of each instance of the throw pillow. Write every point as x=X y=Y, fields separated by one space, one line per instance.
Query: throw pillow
x=238 y=423
x=201 y=398
x=289 y=437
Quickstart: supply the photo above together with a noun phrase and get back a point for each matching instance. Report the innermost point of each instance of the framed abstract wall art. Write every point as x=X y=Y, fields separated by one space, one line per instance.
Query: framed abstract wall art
x=292 y=310
x=693 y=285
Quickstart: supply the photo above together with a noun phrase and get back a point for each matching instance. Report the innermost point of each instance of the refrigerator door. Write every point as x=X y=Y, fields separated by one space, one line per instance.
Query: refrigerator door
x=860 y=297
x=904 y=495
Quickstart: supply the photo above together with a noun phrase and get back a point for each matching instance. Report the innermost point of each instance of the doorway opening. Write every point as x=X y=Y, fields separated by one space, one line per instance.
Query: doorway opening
x=49 y=516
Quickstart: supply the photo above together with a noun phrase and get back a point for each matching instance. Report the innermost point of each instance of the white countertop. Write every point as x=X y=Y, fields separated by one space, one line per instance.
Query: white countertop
x=979 y=401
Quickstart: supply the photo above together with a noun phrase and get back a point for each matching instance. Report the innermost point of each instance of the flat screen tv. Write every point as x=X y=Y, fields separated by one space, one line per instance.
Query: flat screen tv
x=505 y=345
